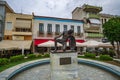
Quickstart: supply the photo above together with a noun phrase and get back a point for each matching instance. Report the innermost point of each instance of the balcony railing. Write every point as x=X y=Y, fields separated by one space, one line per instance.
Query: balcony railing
x=92 y=8
x=94 y=16
x=57 y=33
x=22 y=33
x=40 y=34
x=79 y=35
x=95 y=35
x=49 y=34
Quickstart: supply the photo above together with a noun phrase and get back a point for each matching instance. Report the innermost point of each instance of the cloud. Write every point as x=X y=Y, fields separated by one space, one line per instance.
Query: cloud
x=61 y=8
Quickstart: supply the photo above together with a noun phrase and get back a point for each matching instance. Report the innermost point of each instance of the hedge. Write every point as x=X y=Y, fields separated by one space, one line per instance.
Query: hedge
x=105 y=58
x=31 y=56
x=16 y=58
x=89 y=55
x=46 y=55
x=4 y=61
x=39 y=56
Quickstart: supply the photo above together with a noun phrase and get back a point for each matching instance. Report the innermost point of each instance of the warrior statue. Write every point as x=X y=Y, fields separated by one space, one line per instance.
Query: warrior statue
x=66 y=36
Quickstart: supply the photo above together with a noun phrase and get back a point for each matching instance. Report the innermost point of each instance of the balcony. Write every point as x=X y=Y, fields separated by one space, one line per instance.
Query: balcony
x=40 y=34
x=21 y=33
x=89 y=8
x=57 y=33
x=94 y=16
x=95 y=35
x=78 y=35
x=94 y=29
x=49 y=34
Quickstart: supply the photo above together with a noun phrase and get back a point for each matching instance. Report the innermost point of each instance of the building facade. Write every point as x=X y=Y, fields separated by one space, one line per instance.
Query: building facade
x=90 y=15
x=4 y=8
x=18 y=26
x=46 y=28
x=18 y=29
x=105 y=17
x=15 y=31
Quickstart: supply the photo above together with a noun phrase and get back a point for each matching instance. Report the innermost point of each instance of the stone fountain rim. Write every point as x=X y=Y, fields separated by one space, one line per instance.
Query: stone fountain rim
x=47 y=61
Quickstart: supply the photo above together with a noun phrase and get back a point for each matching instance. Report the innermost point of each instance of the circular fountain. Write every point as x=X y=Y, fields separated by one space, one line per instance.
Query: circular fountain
x=87 y=70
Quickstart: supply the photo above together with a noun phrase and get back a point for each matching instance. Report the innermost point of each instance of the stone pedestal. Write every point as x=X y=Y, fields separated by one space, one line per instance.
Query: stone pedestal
x=64 y=66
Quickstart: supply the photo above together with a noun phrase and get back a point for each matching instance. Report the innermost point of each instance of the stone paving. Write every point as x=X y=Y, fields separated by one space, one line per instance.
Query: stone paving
x=43 y=72
x=85 y=73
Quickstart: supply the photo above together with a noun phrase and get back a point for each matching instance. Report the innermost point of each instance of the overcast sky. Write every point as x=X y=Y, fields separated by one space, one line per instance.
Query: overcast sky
x=61 y=8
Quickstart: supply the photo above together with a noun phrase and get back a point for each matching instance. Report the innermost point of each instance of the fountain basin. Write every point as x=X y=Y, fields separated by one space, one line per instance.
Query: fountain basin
x=15 y=72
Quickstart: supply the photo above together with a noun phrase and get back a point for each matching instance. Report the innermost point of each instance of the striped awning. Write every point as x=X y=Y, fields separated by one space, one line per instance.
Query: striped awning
x=23 y=24
x=95 y=21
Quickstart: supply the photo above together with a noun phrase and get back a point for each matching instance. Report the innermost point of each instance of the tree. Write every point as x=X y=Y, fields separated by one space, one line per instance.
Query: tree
x=111 y=30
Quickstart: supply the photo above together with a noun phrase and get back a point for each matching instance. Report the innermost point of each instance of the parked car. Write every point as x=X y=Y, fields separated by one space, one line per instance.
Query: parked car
x=104 y=40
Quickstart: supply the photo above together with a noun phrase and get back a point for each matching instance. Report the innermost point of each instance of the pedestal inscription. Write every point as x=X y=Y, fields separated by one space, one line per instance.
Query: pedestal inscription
x=65 y=61
x=64 y=66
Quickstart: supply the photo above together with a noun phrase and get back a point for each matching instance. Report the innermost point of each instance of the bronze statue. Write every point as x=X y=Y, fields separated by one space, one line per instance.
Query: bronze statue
x=66 y=36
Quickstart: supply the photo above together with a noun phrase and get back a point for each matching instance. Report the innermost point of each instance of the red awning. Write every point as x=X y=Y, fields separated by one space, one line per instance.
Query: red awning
x=39 y=41
x=80 y=41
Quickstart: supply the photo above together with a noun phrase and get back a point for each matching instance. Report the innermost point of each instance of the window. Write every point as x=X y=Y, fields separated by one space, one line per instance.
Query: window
x=57 y=28
x=9 y=26
x=105 y=20
x=49 y=28
x=72 y=27
x=78 y=30
x=41 y=28
x=102 y=21
x=65 y=27
x=22 y=29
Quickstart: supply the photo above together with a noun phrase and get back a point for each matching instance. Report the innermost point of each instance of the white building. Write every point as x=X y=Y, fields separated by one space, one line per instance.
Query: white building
x=46 y=28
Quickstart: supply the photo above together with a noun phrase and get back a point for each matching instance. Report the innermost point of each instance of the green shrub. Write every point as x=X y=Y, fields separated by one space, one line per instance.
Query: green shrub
x=39 y=56
x=31 y=56
x=81 y=56
x=4 y=61
x=16 y=58
x=89 y=55
x=46 y=55
x=105 y=58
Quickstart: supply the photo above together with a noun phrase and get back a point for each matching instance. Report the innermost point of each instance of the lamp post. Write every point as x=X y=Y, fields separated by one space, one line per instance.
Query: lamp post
x=23 y=50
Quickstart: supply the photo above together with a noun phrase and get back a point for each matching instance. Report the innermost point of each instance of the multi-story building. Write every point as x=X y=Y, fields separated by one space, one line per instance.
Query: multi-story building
x=20 y=29
x=46 y=28
x=90 y=15
x=15 y=30
x=18 y=26
x=4 y=8
x=105 y=17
